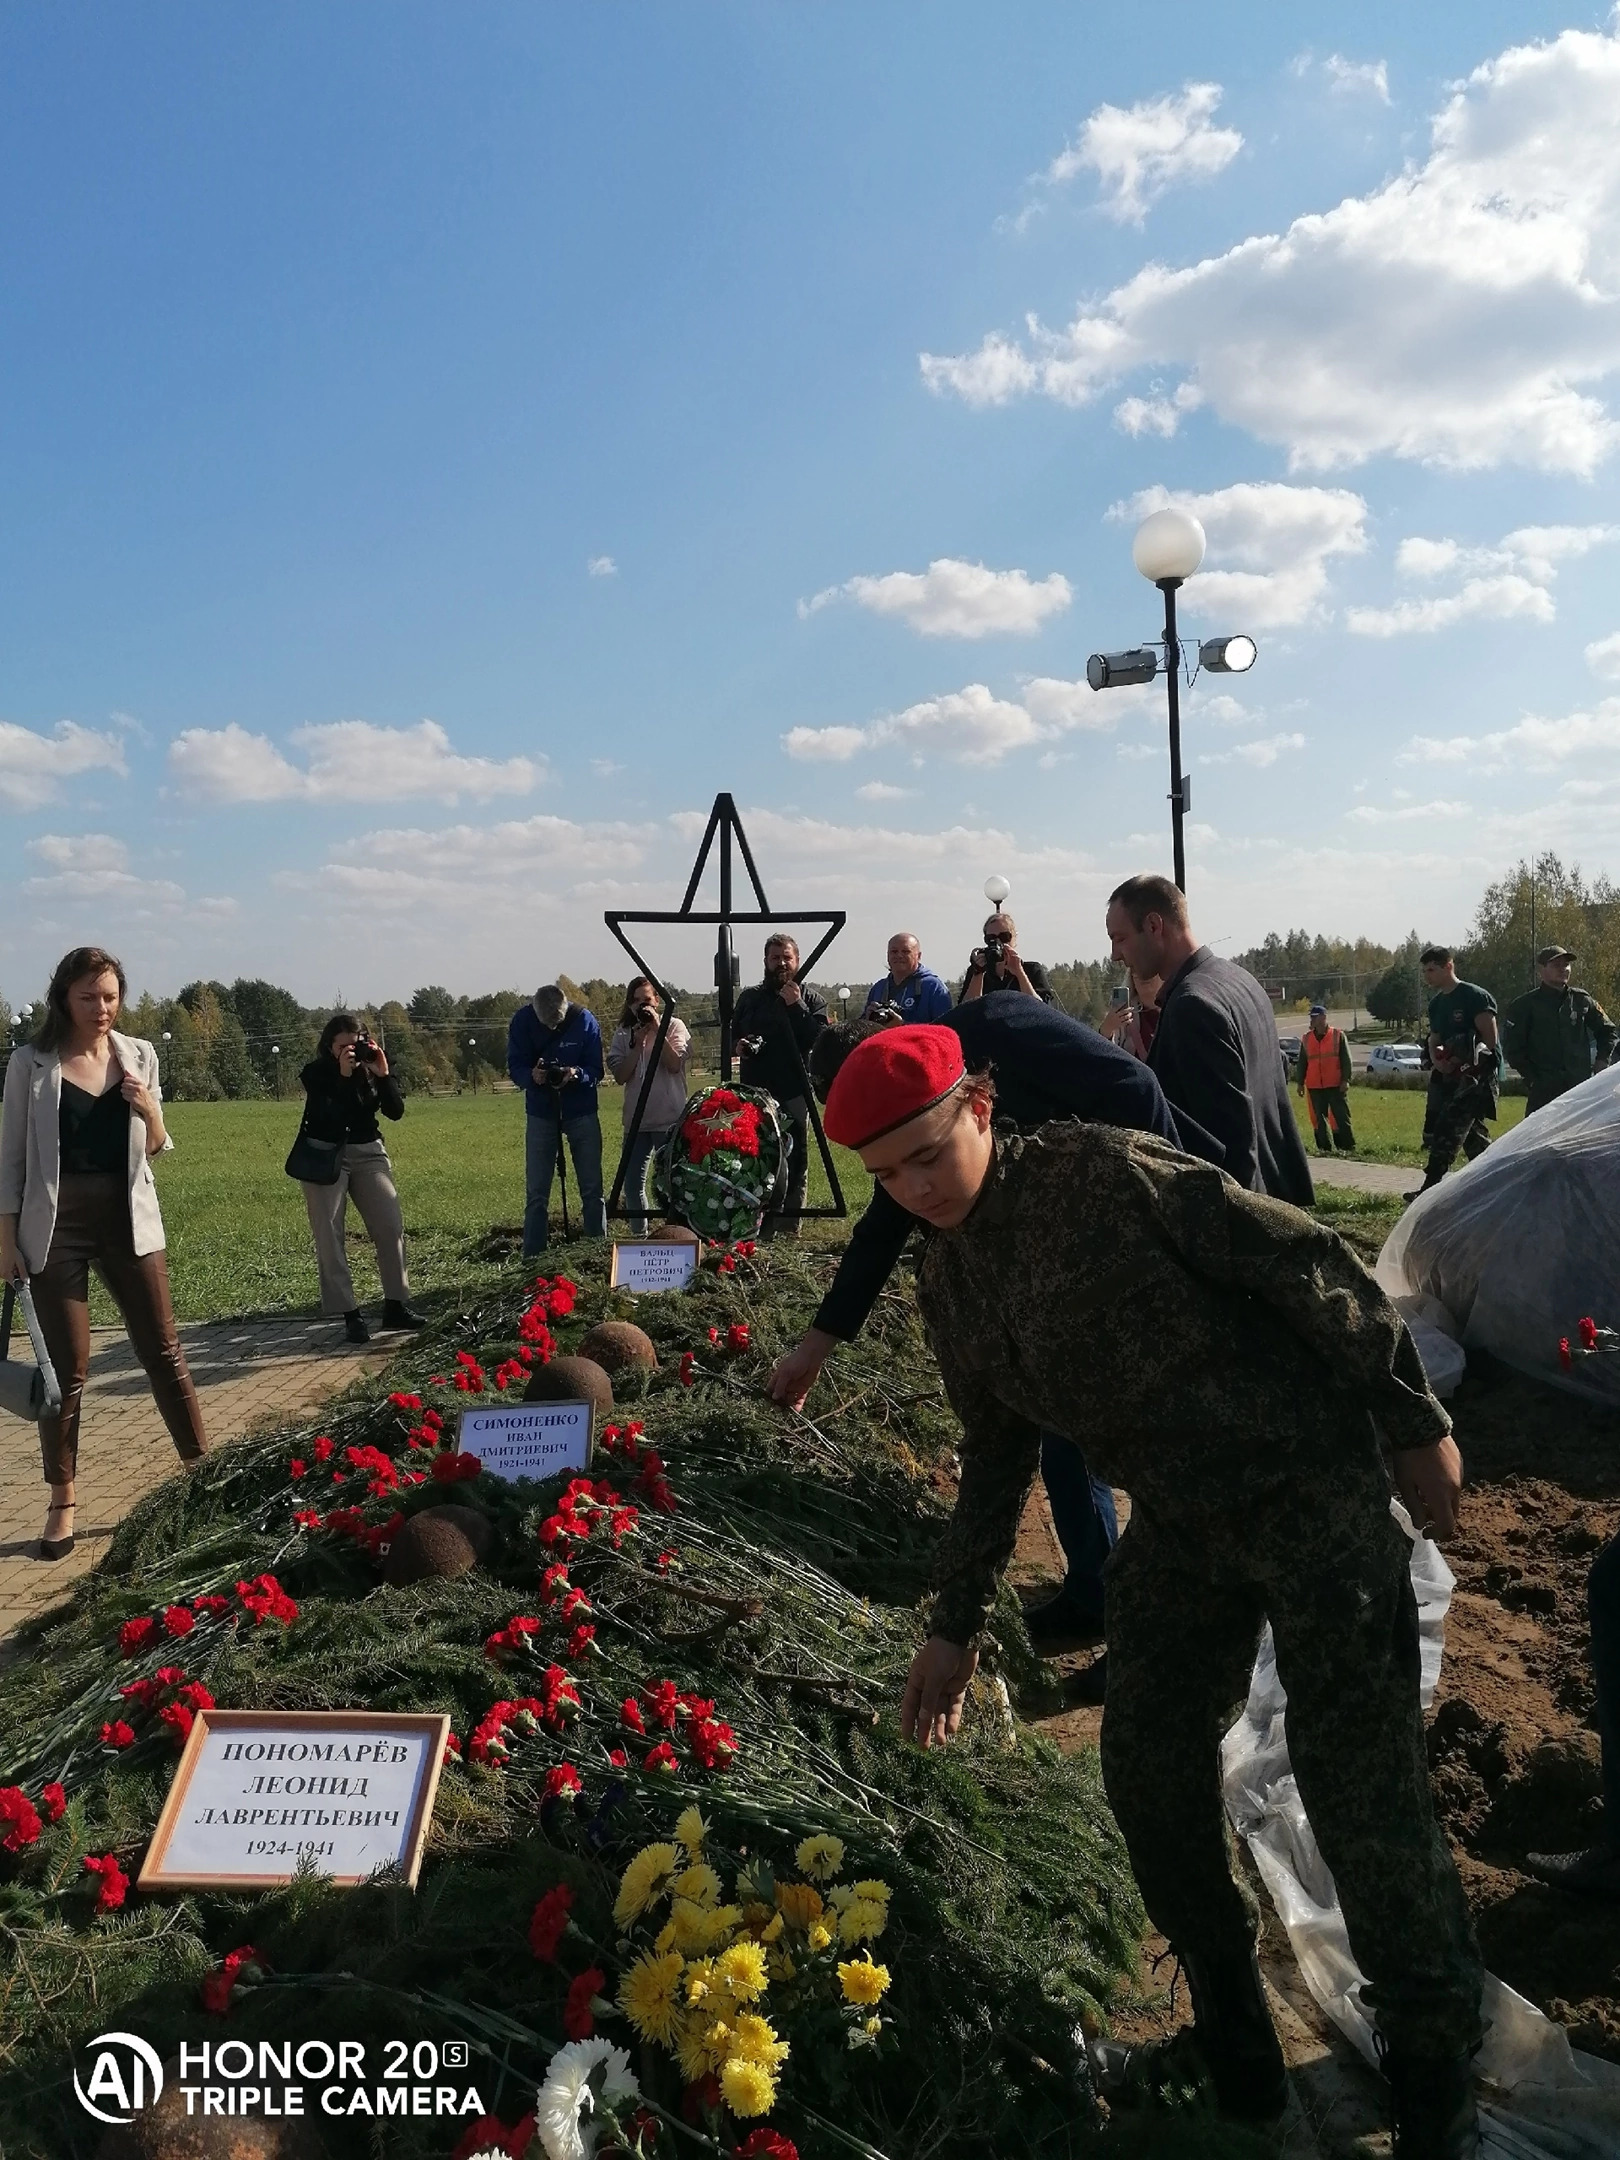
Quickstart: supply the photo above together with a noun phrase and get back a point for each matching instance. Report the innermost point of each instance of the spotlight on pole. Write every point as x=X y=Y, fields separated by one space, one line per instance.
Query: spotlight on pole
x=1114 y=670
x=1227 y=655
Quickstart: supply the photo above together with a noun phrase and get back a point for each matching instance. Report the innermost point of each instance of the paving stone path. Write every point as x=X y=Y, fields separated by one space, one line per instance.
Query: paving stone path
x=1382 y=1177
x=249 y=1373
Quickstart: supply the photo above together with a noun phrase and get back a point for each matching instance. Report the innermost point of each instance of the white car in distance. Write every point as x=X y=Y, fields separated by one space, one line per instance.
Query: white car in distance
x=1388 y=1061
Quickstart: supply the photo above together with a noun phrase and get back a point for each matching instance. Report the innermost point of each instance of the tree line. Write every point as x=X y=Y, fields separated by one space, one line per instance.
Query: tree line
x=251 y=1038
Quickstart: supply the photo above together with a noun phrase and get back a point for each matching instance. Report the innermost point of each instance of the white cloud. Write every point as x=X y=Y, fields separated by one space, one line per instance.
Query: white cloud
x=601 y=566
x=33 y=767
x=1138 y=151
x=1269 y=547
x=1536 y=743
x=971 y=726
x=1603 y=657
x=825 y=745
x=881 y=791
x=1508 y=581
x=955 y=599
x=1465 y=313
x=1264 y=752
x=1409 y=813
x=1158 y=414
x=348 y=761
x=1353 y=77
x=605 y=767
x=1056 y=705
x=95 y=867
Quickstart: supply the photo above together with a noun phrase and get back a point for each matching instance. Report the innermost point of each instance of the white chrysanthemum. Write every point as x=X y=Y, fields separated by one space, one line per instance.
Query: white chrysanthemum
x=568 y=2095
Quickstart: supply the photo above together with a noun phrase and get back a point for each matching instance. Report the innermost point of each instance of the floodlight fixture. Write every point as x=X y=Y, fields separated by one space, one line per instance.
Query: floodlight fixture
x=996 y=890
x=1116 y=670
x=1169 y=544
x=1226 y=655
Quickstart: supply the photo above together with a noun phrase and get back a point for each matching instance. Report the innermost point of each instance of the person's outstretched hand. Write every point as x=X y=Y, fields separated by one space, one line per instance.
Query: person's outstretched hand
x=1430 y=1481
x=936 y=1687
x=793 y=1375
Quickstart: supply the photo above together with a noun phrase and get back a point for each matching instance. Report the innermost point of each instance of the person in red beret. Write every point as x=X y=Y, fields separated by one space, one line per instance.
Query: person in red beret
x=1064 y=1263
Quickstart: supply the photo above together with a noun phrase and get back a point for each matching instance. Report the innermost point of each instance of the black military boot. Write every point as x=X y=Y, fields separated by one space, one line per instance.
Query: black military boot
x=1433 y=2101
x=1236 y=2037
x=1231 y=2046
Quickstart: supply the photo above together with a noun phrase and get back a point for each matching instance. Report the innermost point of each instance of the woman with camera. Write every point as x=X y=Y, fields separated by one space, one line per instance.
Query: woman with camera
x=83 y=1117
x=347 y=1083
x=996 y=966
x=629 y=1054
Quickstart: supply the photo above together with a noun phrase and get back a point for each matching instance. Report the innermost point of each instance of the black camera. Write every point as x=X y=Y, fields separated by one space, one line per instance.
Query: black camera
x=646 y=1012
x=365 y=1050
x=558 y=1076
x=750 y=1045
x=996 y=947
x=887 y=1015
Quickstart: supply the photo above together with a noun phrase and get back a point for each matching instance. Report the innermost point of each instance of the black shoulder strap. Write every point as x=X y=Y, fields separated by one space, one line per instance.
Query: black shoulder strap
x=5 y=1321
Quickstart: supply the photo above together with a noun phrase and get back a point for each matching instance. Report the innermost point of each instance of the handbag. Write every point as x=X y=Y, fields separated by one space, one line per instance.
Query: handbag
x=312 y=1161
x=26 y=1390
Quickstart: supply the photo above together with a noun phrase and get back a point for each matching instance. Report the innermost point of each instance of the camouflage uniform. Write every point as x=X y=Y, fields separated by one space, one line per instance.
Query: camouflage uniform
x=1095 y=1257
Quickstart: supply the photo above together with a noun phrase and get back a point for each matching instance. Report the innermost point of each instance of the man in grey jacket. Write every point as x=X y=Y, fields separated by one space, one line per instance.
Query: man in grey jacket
x=1215 y=1050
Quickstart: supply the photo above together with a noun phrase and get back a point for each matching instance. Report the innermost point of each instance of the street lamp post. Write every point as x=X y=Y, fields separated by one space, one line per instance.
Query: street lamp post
x=275 y=1052
x=1167 y=549
x=472 y=1062
x=843 y=1001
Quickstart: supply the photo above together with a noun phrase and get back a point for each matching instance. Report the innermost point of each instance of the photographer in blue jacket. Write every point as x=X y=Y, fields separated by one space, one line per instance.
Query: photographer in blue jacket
x=554 y=1053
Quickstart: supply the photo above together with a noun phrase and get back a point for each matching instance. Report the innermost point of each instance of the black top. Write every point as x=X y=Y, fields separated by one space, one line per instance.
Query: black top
x=997 y=983
x=1216 y=1054
x=782 y=1027
x=93 y=1131
x=346 y=1110
x=1046 y=1066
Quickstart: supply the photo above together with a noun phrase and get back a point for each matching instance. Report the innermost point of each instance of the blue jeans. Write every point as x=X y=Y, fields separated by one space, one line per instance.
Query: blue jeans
x=1603 y=1603
x=543 y=1139
x=633 y=1193
x=1084 y=1518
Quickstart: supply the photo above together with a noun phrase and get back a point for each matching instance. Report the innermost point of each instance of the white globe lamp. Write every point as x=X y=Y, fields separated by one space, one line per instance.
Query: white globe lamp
x=1169 y=544
x=996 y=890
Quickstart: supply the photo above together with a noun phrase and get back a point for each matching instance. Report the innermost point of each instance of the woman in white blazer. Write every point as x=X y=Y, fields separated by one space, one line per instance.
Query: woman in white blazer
x=83 y=1116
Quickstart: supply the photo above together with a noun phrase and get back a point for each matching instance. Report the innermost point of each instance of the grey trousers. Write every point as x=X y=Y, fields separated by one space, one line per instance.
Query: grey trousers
x=367 y=1176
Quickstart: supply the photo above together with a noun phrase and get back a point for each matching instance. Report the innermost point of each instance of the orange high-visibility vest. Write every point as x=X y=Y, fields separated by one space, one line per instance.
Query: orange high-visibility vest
x=1326 y=1065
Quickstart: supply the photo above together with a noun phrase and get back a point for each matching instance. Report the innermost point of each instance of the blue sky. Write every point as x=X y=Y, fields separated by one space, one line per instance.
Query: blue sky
x=441 y=446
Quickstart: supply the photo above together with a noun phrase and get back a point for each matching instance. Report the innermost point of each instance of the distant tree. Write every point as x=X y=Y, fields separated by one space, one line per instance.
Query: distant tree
x=406 y=1059
x=1398 y=996
x=431 y=1006
x=273 y=1018
x=1538 y=904
x=1081 y=987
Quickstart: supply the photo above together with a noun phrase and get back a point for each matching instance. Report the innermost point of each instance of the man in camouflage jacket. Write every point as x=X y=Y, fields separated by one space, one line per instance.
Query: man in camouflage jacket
x=1230 y=1362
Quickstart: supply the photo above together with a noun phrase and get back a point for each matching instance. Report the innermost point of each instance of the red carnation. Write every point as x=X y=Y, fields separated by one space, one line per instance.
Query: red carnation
x=580 y=1641
x=452 y=1469
x=578 y=2023
x=322 y=1449
x=297 y=1468
x=663 y=1700
x=547 y=1922
x=662 y=1757
x=53 y=1799
x=767 y=2144
x=618 y=1758
x=217 y=1987
x=687 y=1363
x=134 y=1636
x=209 y=1604
x=179 y=1619
x=114 y=1882
x=1587 y=1330
x=630 y=1715
x=19 y=1812
x=117 y=1734
x=562 y=1783
x=737 y=1335
x=1564 y=1357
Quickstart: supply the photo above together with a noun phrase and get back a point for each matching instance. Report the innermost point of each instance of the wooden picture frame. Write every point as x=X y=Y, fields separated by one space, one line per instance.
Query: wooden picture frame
x=292 y=1742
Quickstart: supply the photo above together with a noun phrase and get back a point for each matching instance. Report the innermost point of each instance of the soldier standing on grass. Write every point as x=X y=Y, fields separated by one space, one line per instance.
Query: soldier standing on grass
x=1324 y=1075
x=1064 y=1265
x=1555 y=1035
x=1464 y=1065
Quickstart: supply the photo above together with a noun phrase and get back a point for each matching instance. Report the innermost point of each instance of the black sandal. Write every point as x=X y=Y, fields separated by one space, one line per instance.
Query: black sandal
x=57 y=1548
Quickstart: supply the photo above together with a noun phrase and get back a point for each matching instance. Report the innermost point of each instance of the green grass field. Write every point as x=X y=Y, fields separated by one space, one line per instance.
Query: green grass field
x=239 y=1241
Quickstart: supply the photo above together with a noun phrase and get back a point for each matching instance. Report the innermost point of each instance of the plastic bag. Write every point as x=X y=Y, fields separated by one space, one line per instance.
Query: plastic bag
x=1560 y=2105
x=1525 y=1241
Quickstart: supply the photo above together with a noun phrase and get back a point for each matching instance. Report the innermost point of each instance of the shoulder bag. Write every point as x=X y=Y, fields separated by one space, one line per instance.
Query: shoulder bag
x=25 y=1390
x=312 y=1161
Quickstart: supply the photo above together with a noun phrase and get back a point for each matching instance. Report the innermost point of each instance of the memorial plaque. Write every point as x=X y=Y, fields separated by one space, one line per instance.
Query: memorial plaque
x=529 y=1440
x=257 y=1791
x=659 y=1264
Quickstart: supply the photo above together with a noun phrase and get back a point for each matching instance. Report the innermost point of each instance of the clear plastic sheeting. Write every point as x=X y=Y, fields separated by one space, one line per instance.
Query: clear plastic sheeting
x=1526 y=1240
x=1550 y=2103
x=1434 y=1332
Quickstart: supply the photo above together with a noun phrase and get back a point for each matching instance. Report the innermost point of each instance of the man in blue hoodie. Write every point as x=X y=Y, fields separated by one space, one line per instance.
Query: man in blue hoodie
x=554 y=1053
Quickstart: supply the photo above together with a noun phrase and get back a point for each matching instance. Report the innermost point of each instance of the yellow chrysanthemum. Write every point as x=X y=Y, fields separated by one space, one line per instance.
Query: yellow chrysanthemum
x=842 y=1896
x=878 y=1892
x=691 y=1830
x=862 y=1981
x=873 y=2025
x=741 y=1971
x=820 y=1857
x=754 y=2039
x=799 y=1903
x=644 y=1881
x=862 y=1920
x=722 y=1925
x=820 y=1936
x=649 y=1996
x=703 y=2044
x=699 y=1883
x=686 y=1929
x=699 y=1982
x=746 y=2087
